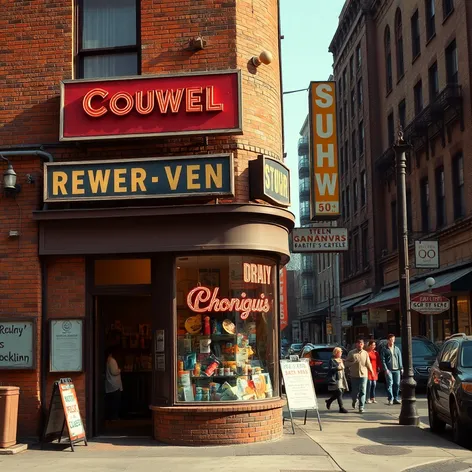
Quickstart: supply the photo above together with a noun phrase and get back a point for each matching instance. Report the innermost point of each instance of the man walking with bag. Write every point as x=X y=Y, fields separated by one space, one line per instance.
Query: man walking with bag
x=393 y=366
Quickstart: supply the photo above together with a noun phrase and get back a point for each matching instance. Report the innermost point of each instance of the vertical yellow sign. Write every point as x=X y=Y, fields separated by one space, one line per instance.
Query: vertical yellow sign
x=324 y=152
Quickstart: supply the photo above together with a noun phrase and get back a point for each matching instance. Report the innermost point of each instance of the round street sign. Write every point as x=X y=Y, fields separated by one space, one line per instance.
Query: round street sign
x=430 y=304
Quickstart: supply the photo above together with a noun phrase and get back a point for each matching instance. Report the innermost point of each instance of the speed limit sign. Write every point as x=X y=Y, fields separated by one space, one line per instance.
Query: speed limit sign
x=426 y=254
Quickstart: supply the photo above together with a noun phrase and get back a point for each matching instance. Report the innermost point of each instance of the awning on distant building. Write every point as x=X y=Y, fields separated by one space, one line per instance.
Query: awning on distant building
x=346 y=304
x=457 y=280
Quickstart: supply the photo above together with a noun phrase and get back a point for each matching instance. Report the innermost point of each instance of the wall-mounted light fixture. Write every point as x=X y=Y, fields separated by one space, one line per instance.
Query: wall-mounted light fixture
x=9 y=178
x=265 y=57
x=197 y=44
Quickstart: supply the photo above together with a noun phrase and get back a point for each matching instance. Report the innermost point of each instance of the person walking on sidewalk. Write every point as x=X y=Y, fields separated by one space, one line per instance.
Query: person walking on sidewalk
x=372 y=378
x=337 y=382
x=359 y=366
x=393 y=367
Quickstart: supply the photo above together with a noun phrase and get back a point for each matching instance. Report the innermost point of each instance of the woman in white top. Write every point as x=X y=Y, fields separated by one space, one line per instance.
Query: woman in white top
x=113 y=386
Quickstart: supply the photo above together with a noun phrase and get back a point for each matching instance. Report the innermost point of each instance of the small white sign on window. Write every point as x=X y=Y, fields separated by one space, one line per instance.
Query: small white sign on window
x=426 y=254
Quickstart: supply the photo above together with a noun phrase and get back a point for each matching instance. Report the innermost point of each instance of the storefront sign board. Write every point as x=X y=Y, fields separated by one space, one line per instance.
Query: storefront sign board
x=66 y=353
x=269 y=181
x=319 y=239
x=430 y=304
x=17 y=344
x=324 y=177
x=209 y=175
x=164 y=105
x=426 y=254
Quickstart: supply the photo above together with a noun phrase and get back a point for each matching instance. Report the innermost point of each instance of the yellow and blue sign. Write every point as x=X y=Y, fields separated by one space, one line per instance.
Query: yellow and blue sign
x=270 y=181
x=209 y=175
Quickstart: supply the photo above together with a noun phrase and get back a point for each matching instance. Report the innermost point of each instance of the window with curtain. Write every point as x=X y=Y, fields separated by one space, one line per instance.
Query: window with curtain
x=388 y=60
x=108 y=38
x=399 y=44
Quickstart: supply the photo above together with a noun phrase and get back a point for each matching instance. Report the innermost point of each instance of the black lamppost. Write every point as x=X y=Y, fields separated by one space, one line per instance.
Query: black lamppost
x=408 y=414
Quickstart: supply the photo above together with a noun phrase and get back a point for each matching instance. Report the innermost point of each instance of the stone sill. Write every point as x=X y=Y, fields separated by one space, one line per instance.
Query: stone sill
x=236 y=407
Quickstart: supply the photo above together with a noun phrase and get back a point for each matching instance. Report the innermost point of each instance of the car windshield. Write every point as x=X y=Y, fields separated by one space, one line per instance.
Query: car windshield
x=466 y=356
x=420 y=348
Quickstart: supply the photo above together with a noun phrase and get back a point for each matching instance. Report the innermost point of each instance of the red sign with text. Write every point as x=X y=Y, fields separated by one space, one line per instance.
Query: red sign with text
x=283 y=299
x=186 y=104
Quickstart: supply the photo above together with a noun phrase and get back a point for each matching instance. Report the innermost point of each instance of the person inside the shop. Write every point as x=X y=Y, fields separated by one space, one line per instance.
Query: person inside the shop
x=113 y=386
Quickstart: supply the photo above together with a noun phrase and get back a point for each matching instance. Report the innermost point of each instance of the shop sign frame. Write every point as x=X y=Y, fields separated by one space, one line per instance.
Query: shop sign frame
x=34 y=325
x=309 y=232
x=324 y=177
x=424 y=303
x=152 y=162
x=235 y=128
x=52 y=341
x=427 y=255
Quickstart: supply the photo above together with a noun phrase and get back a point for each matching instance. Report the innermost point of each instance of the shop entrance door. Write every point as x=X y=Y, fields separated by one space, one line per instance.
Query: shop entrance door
x=123 y=327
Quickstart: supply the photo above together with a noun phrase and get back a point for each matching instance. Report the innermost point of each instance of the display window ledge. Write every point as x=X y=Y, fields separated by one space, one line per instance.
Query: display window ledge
x=215 y=407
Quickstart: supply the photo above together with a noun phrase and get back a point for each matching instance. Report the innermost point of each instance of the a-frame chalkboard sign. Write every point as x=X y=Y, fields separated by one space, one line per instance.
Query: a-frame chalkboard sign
x=64 y=410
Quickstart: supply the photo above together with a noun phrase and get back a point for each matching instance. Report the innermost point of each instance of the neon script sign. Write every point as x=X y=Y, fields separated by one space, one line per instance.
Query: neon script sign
x=204 y=299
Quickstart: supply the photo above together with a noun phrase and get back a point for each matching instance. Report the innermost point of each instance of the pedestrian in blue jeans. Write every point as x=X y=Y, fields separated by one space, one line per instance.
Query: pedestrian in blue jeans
x=393 y=366
x=359 y=366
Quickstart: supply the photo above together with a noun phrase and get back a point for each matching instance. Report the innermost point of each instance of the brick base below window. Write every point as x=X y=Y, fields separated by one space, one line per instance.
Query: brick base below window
x=218 y=425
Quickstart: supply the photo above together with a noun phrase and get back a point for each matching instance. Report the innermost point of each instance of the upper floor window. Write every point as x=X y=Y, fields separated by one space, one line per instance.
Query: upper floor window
x=361 y=138
x=351 y=69
x=433 y=82
x=399 y=44
x=390 y=129
x=353 y=103
x=458 y=185
x=415 y=35
x=440 y=197
x=388 y=60
x=345 y=80
x=452 y=64
x=424 y=202
x=448 y=7
x=418 y=96
x=363 y=188
x=108 y=38
x=360 y=94
x=353 y=146
x=355 y=195
x=358 y=56
x=430 y=19
x=402 y=113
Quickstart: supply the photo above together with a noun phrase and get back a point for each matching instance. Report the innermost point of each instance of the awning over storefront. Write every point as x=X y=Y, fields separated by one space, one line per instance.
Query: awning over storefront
x=346 y=304
x=321 y=309
x=457 y=280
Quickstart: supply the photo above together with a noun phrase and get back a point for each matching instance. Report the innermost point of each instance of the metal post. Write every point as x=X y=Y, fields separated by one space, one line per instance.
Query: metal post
x=408 y=413
x=337 y=300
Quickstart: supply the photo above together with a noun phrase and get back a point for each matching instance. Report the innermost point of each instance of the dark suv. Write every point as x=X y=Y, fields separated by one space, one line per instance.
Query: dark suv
x=424 y=353
x=450 y=389
x=319 y=355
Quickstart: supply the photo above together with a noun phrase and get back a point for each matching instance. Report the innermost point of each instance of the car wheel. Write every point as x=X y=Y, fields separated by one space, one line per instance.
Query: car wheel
x=436 y=425
x=459 y=433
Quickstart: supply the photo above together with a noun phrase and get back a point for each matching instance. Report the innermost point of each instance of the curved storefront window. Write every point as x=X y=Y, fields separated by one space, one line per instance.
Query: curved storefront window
x=226 y=320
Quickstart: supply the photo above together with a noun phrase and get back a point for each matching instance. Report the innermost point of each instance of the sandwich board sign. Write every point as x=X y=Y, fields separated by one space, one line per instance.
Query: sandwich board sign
x=64 y=410
x=299 y=388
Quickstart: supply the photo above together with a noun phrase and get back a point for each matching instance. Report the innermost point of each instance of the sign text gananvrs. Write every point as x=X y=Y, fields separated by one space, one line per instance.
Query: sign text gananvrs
x=319 y=239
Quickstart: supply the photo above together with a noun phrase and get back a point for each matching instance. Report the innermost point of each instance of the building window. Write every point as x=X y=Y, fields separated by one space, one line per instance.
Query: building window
x=430 y=19
x=388 y=60
x=399 y=44
x=345 y=84
x=418 y=97
x=305 y=210
x=108 y=38
x=358 y=56
x=415 y=35
x=365 y=246
x=452 y=64
x=355 y=251
x=433 y=82
x=391 y=129
x=402 y=114
x=305 y=184
x=440 y=198
x=355 y=196
x=361 y=138
x=409 y=212
x=205 y=362
x=345 y=114
x=348 y=202
x=448 y=7
x=353 y=103
x=341 y=119
x=458 y=185
x=351 y=69
x=363 y=188
x=360 y=95
x=393 y=216
x=353 y=144
x=424 y=202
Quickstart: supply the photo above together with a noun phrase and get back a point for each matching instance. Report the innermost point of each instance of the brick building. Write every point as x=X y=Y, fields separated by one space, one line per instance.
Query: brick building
x=422 y=68
x=129 y=87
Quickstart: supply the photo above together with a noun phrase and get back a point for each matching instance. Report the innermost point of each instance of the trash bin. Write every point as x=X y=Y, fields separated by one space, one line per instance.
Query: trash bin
x=9 y=397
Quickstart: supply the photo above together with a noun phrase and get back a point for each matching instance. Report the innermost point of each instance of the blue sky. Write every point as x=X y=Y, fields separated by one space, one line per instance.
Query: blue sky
x=308 y=27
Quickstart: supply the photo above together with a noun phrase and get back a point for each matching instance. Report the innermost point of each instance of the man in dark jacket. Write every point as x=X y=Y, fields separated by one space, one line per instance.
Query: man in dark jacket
x=392 y=364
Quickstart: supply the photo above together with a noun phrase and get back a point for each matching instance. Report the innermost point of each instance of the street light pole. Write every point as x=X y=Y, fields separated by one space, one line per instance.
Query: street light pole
x=408 y=414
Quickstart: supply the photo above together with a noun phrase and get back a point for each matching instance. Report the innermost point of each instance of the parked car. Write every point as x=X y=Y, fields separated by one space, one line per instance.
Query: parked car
x=294 y=349
x=450 y=389
x=319 y=355
x=424 y=353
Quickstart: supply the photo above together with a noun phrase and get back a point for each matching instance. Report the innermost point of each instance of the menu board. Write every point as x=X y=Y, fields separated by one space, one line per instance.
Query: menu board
x=298 y=384
x=71 y=411
x=66 y=346
x=17 y=346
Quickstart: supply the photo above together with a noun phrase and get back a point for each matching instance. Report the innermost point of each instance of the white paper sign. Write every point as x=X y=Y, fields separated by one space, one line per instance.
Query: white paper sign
x=66 y=346
x=16 y=344
x=426 y=254
x=298 y=384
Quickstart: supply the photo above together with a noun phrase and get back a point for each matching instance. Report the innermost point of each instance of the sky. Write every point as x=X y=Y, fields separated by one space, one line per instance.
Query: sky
x=308 y=27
